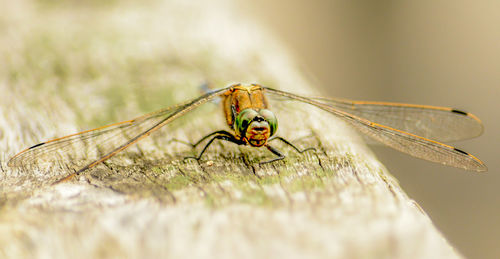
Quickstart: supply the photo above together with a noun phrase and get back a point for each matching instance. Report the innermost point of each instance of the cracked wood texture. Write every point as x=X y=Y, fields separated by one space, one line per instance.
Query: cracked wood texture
x=69 y=66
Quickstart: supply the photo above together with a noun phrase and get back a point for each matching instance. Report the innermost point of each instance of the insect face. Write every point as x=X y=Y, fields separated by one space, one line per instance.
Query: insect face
x=255 y=126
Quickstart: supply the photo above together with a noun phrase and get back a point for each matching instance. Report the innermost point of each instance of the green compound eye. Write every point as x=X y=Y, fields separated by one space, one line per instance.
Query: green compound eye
x=243 y=119
x=271 y=119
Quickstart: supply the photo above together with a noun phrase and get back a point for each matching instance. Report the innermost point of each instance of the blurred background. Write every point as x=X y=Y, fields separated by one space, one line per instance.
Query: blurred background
x=444 y=53
x=439 y=52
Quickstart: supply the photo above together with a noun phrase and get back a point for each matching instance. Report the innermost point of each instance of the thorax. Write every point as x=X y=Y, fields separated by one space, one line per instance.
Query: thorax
x=240 y=97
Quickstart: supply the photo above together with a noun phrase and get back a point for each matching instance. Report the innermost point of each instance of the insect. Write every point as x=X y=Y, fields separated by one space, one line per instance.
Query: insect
x=412 y=129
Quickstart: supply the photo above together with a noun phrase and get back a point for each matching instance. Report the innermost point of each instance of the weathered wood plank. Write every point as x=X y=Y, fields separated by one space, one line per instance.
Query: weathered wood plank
x=69 y=68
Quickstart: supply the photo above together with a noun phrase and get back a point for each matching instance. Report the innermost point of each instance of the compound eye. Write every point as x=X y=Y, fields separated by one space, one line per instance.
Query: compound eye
x=243 y=119
x=271 y=119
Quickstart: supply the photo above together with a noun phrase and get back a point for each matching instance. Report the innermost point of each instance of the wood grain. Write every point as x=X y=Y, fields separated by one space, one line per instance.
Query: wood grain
x=73 y=67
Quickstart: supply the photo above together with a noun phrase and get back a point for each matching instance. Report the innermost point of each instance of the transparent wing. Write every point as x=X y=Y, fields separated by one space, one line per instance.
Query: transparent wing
x=97 y=145
x=410 y=143
x=437 y=123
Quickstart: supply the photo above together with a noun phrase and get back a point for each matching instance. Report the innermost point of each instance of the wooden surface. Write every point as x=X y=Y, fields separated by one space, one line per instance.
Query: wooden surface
x=67 y=68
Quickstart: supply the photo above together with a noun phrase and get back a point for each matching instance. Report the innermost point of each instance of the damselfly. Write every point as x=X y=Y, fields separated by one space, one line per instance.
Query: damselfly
x=417 y=130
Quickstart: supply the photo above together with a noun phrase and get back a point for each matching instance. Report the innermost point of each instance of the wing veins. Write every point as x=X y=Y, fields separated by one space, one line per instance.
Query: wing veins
x=115 y=129
x=400 y=140
x=433 y=122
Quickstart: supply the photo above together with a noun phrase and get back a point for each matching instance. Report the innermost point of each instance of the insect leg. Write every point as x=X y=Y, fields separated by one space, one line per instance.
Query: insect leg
x=219 y=132
x=292 y=145
x=276 y=152
x=223 y=135
x=199 y=141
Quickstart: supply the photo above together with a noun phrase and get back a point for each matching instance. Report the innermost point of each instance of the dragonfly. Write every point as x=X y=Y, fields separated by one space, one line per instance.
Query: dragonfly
x=417 y=130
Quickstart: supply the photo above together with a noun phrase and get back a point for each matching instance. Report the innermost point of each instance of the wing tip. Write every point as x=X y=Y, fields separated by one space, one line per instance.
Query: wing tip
x=480 y=167
x=464 y=113
x=480 y=125
x=12 y=162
